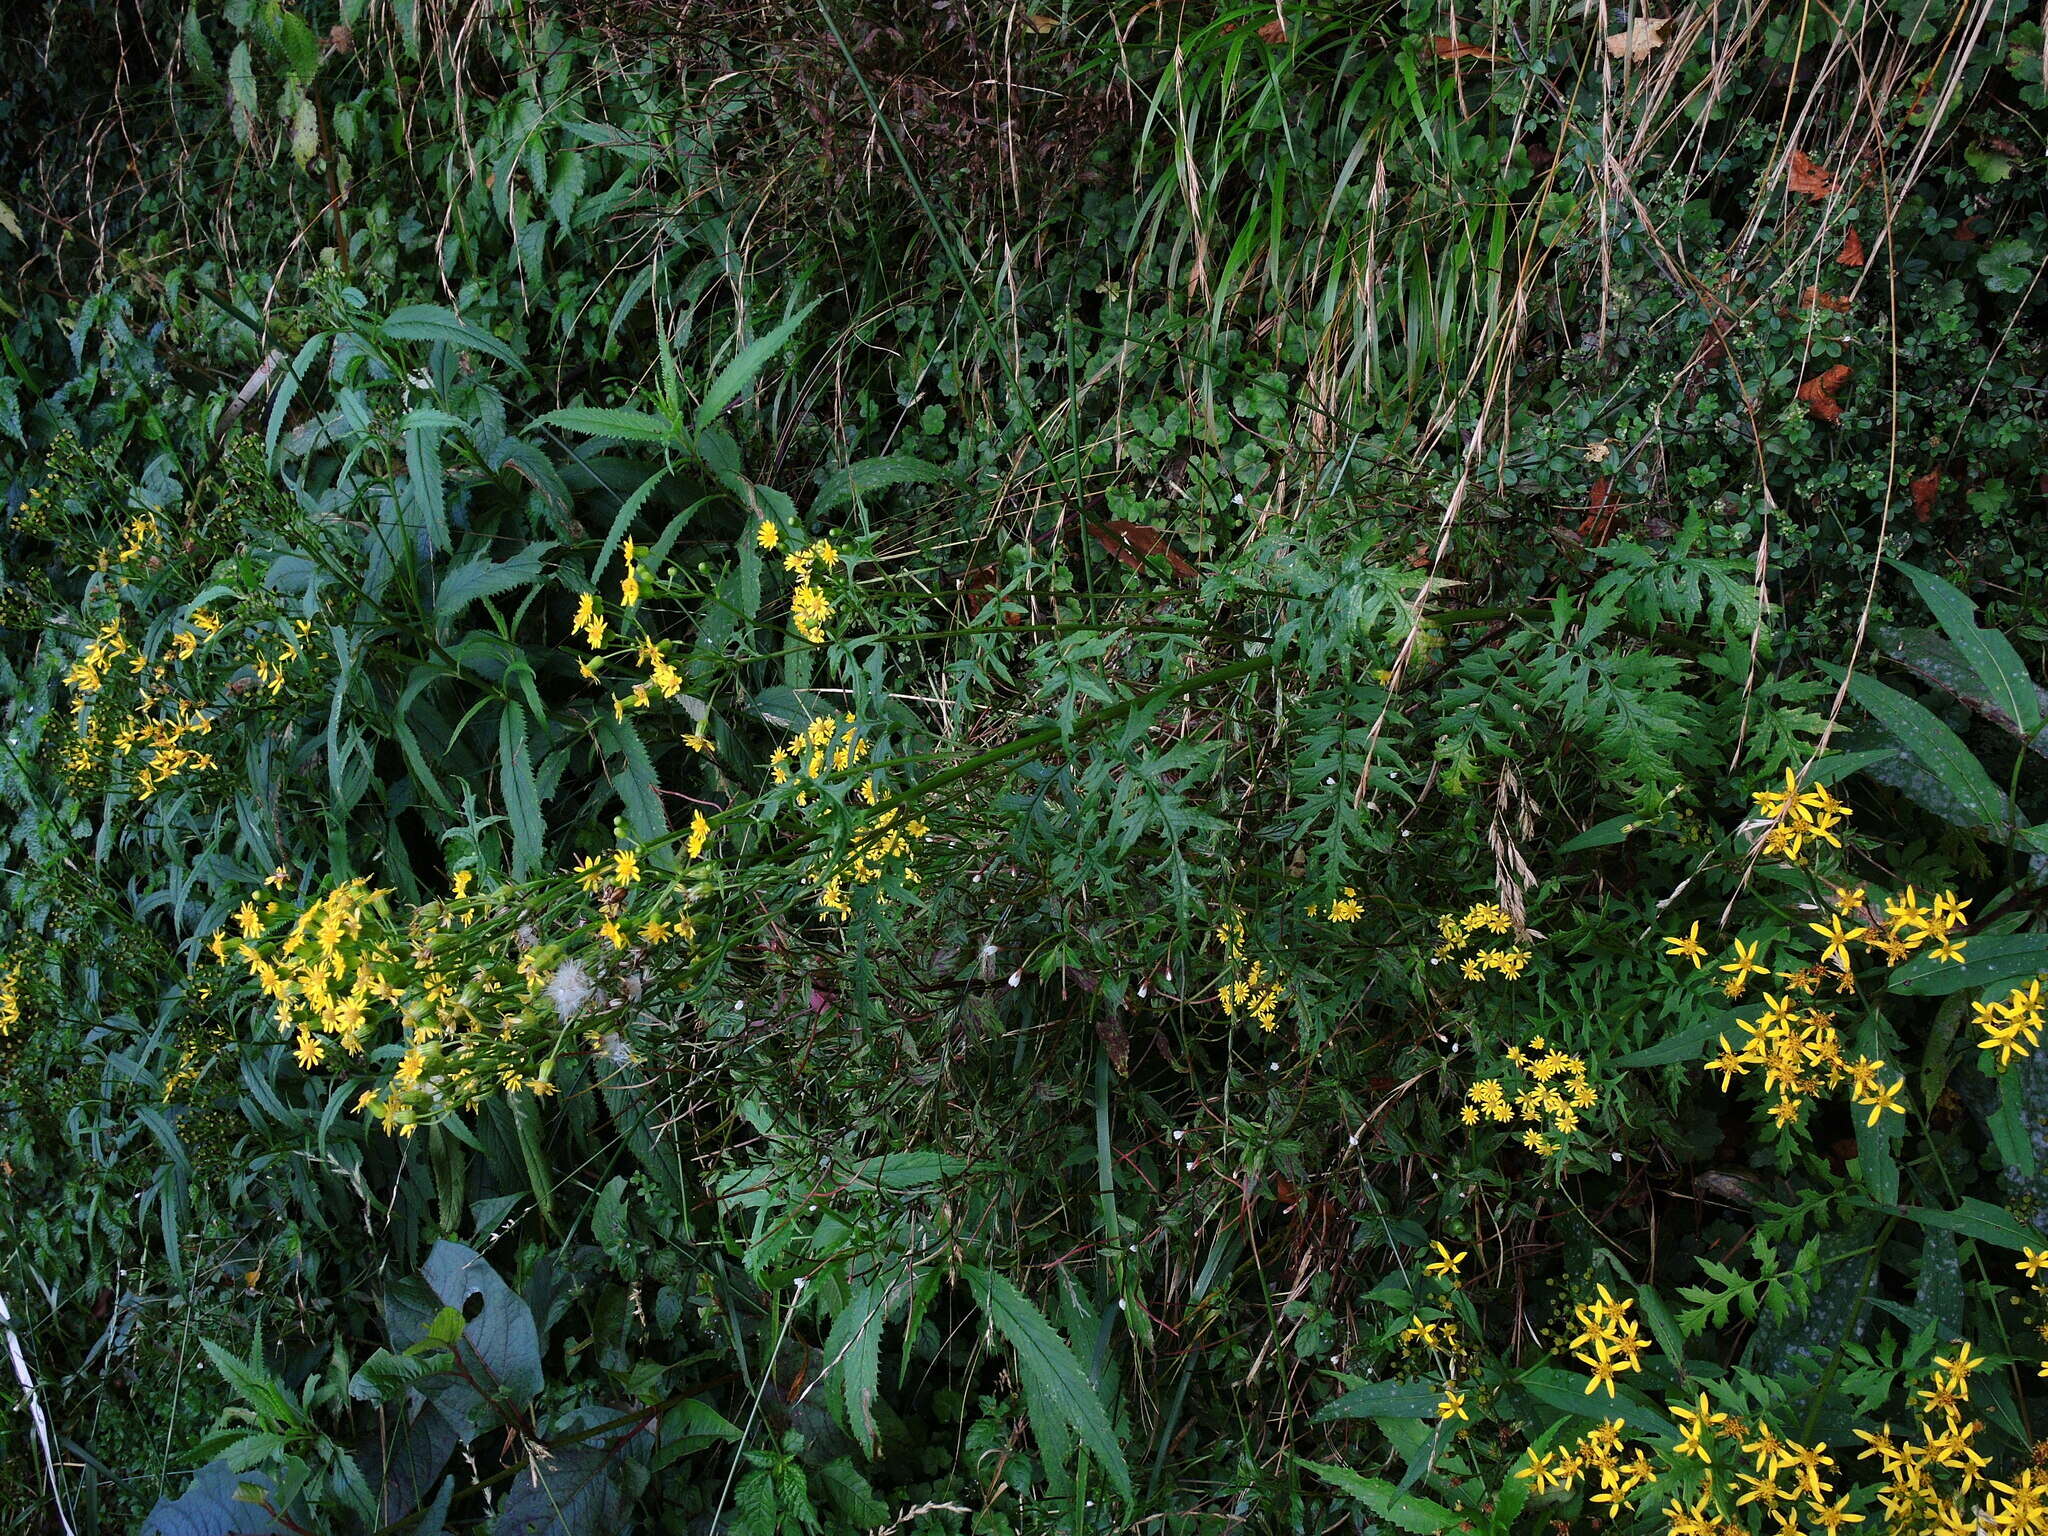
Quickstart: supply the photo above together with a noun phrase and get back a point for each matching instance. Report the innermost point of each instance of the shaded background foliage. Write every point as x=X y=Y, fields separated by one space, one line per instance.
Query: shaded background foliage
x=1182 y=342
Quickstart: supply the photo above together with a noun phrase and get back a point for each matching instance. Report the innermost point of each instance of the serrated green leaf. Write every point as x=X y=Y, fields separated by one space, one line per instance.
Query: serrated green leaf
x=608 y=421
x=1410 y=1511
x=739 y=373
x=1058 y=1397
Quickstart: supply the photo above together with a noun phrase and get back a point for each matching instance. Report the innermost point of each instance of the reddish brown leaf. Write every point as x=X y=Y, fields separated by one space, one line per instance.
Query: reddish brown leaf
x=1598 y=525
x=1808 y=178
x=1274 y=32
x=1451 y=48
x=1813 y=298
x=1130 y=542
x=1965 y=231
x=1818 y=393
x=1925 y=489
x=1851 y=253
x=1713 y=346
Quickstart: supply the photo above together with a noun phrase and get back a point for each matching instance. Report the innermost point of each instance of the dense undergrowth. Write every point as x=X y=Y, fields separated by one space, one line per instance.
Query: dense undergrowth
x=1186 y=768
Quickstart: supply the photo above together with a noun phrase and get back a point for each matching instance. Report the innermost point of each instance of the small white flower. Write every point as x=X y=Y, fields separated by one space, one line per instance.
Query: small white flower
x=1016 y=978
x=987 y=950
x=1178 y=1134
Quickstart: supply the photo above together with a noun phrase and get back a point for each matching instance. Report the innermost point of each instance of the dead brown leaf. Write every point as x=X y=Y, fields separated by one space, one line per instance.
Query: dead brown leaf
x=1925 y=489
x=1818 y=393
x=1851 y=253
x=1131 y=542
x=1598 y=526
x=1451 y=48
x=1643 y=38
x=1813 y=298
x=1274 y=32
x=1808 y=177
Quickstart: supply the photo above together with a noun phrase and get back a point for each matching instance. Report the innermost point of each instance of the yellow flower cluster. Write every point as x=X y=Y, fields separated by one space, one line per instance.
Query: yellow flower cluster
x=1934 y=1480
x=1799 y=817
x=589 y=623
x=156 y=738
x=882 y=844
x=1345 y=909
x=1552 y=1093
x=1602 y=1457
x=1456 y=931
x=2011 y=1027
x=459 y=1011
x=10 y=999
x=1615 y=1339
x=828 y=745
x=879 y=846
x=809 y=607
x=1799 y=1052
x=1253 y=993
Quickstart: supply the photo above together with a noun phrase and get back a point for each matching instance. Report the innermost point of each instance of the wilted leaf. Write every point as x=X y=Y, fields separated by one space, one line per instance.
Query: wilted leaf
x=1643 y=38
x=1131 y=542
x=1813 y=298
x=1851 y=253
x=1809 y=178
x=1598 y=526
x=1925 y=489
x=1039 y=23
x=1274 y=32
x=1450 y=48
x=1818 y=393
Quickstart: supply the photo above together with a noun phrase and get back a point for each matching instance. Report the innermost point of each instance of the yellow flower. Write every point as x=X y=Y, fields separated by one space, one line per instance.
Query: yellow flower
x=629 y=590
x=278 y=877
x=700 y=834
x=1887 y=1098
x=1687 y=947
x=1453 y=1404
x=768 y=536
x=1446 y=1264
x=1744 y=964
x=464 y=878
x=1838 y=937
x=626 y=867
x=2035 y=1261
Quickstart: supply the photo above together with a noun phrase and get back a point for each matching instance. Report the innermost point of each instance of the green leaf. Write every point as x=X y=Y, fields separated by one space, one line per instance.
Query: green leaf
x=739 y=373
x=1410 y=1511
x=1976 y=1218
x=242 y=93
x=1603 y=834
x=1687 y=1045
x=499 y=1347
x=1934 y=746
x=1565 y=1391
x=571 y=1491
x=471 y=579
x=1384 y=1399
x=606 y=421
x=632 y=775
x=859 y=479
x=432 y=323
x=853 y=1359
x=1058 y=1397
x=1989 y=961
x=521 y=793
x=1990 y=655
x=2009 y=1130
